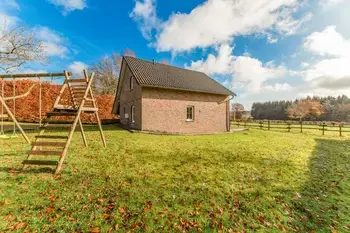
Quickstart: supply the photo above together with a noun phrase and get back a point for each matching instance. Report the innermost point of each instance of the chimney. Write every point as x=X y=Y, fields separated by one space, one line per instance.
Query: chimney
x=154 y=62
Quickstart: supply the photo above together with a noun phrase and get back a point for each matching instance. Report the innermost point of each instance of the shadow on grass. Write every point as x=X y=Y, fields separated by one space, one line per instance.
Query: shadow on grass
x=45 y=170
x=324 y=204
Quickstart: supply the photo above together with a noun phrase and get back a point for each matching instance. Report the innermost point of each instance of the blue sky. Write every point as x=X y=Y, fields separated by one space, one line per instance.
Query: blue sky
x=262 y=50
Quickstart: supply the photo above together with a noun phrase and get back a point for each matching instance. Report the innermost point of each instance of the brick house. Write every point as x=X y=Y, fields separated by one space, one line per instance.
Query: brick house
x=163 y=98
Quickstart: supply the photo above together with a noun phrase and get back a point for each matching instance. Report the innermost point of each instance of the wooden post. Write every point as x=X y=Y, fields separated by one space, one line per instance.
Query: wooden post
x=340 y=129
x=324 y=124
x=14 y=119
x=238 y=124
x=261 y=125
x=245 y=124
x=268 y=125
x=301 y=126
x=288 y=126
x=96 y=113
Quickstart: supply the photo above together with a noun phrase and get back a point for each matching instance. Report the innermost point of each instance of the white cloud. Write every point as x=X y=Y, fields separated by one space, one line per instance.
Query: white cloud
x=77 y=67
x=55 y=50
x=331 y=74
x=327 y=3
x=8 y=5
x=7 y=21
x=278 y=87
x=69 y=5
x=54 y=43
x=145 y=14
x=328 y=43
x=247 y=73
x=218 y=21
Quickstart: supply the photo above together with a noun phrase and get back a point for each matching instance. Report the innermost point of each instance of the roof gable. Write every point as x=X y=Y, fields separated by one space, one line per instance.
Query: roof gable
x=160 y=75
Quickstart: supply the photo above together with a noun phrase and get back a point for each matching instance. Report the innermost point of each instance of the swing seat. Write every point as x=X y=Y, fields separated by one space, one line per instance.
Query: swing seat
x=4 y=136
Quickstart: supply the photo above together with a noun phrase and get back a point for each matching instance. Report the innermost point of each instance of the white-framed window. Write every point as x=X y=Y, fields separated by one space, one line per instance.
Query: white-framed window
x=131 y=82
x=190 y=113
x=133 y=114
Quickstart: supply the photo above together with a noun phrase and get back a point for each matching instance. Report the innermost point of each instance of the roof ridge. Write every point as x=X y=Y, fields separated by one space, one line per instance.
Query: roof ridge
x=158 y=63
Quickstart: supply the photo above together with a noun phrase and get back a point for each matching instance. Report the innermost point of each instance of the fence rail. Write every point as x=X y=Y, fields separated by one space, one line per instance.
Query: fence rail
x=301 y=126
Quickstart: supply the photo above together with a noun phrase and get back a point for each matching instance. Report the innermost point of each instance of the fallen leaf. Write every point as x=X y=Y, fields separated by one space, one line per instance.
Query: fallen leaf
x=94 y=230
x=53 y=198
x=116 y=227
x=19 y=225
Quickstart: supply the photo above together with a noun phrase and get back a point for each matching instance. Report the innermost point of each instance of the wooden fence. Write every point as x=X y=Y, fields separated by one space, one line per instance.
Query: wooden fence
x=323 y=127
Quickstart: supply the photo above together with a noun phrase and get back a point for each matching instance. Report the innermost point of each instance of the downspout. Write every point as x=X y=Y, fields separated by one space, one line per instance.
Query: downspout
x=228 y=125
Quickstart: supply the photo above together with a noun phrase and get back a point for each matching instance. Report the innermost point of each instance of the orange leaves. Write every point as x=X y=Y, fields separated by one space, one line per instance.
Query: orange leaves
x=148 y=207
x=27 y=109
x=94 y=230
x=53 y=198
x=122 y=210
x=19 y=225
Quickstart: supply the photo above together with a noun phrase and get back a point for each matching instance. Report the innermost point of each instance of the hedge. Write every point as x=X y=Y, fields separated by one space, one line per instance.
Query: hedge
x=27 y=108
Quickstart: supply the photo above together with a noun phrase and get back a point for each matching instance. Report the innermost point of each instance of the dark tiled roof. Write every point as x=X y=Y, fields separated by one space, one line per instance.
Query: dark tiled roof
x=160 y=75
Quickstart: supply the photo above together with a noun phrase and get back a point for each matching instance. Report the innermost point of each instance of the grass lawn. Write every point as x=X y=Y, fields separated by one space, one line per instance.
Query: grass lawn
x=253 y=181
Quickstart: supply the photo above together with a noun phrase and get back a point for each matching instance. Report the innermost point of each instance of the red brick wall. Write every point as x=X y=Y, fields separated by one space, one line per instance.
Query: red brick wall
x=129 y=98
x=27 y=109
x=165 y=111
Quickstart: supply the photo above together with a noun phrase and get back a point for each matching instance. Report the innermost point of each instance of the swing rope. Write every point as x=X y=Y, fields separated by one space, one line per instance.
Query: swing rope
x=40 y=102
x=2 y=108
x=14 y=107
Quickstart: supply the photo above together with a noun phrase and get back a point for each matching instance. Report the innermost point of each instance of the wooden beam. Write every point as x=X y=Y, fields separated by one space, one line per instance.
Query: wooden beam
x=20 y=96
x=33 y=75
x=7 y=109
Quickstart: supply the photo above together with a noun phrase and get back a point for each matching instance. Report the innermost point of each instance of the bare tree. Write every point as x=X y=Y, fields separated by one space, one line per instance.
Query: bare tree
x=107 y=70
x=237 y=110
x=106 y=74
x=18 y=46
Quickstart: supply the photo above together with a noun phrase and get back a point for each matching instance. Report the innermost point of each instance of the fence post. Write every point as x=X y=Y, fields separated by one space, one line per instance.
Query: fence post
x=261 y=125
x=301 y=126
x=288 y=127
x=323 y=128
x=340 y=129
x=245 y=124
x=238 y=124
x=268 y=125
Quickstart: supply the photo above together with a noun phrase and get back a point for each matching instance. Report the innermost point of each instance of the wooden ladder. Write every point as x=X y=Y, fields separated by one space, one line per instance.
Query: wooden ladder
x=83 y=101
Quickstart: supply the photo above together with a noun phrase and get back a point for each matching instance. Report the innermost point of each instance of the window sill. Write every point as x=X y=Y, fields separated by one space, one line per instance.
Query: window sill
x=189 y=120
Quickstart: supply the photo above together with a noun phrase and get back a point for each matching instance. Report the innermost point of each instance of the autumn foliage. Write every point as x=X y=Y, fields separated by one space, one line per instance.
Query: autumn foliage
x=27 y=108
x=305 y=108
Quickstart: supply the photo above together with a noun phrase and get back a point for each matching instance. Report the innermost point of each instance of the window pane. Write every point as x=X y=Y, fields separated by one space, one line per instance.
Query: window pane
x=190 y=112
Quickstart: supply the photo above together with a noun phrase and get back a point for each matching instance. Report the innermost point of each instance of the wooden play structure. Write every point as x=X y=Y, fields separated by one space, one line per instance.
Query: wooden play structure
x=81 y=100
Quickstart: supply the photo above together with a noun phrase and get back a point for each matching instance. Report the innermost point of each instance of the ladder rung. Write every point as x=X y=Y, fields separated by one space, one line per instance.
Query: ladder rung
x=78 y=91
x=4 y=116
x=64 y=107
x=40 y=162
x=61 y=114
x=78 y=88
x=77 y=80
x=54 y=127
x=65 y=110
x=51 y=137
x=58 y=144
x=45 y=152
x=88 y=109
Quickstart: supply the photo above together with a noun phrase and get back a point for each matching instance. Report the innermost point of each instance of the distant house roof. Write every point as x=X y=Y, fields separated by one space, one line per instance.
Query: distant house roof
x=160 y=75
